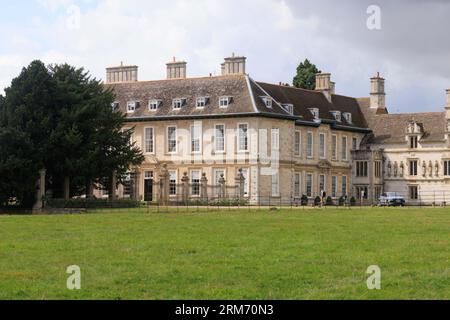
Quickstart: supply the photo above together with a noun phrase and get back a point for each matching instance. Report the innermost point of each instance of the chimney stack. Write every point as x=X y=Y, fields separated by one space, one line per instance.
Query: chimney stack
x=378 y=94
x=176 y=69
x=447 y=106
x=233 y=65
x=121 y=74
x=324 y=85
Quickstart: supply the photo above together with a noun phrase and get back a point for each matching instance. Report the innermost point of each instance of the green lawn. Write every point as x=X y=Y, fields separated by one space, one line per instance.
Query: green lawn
x=299 y=254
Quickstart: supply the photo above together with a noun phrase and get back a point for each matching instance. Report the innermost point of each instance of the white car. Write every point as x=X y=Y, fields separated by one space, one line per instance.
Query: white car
x=392 y=199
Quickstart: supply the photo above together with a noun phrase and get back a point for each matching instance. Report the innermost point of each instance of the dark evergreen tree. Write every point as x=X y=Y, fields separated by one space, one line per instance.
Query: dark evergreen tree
x=306 y=75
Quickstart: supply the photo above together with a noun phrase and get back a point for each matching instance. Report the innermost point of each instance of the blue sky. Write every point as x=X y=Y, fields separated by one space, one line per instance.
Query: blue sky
x=411 y=50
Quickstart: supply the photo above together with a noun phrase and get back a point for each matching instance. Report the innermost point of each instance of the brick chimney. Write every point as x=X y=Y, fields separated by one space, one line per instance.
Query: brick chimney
x=234 y=65
x=121 y=74
x=325 y=85
x=176 y=69
x=378 y=94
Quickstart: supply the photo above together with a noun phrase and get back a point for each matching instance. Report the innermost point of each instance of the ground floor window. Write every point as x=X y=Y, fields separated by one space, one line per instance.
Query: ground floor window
x=334 y=186
x=309 y=184
x=344 y=186
x=322 y=186
x=377 y=193
x=173 y=183
x=246 y=174
x=195 y=181
x=297 y=184
x=362 y=192
x=414 y=192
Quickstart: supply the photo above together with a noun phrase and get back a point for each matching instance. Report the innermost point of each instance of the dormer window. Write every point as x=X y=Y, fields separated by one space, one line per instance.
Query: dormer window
x=202 y=102
x=224 y=102
x=414 y=142
x=114 y=106
x=267 y=101
x=154 y=105
x=315 y=113
x=337 y=115
x=289 y=108
x=178 y=103
x=348 y=117
x=132 y=106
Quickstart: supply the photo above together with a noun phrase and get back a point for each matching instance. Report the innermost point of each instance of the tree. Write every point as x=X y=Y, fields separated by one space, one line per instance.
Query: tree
x=306 y=75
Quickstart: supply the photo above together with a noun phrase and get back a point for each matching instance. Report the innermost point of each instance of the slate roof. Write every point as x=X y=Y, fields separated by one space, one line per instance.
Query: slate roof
x=391 y=128
x=246 y=100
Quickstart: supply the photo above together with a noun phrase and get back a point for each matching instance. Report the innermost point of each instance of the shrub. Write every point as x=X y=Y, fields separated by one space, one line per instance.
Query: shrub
x=330 y=201
x=341 y=201
x=317 y=201
x=353 y=201
x=304 y=200
x=91 y=203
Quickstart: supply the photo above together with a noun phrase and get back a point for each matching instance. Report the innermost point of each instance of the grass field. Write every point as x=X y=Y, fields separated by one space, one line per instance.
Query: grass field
x=304 y=254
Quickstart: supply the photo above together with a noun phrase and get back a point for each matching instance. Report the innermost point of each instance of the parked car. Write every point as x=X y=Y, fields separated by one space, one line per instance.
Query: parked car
x=391 y=199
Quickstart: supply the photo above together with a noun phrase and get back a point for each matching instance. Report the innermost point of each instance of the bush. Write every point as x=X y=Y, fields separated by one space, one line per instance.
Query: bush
x=353 y=201
x=317 y=201
x=91 y=204
x=341 y=201
x=304 y=200
x=330 y=201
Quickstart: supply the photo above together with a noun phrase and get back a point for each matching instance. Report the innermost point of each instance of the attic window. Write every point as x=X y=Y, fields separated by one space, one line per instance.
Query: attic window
x=315 y=113
x=154 y=105
x=178 y=103
x=337 y=115
x=132 y=106
x=348 y=117
x=114 y=106
x=224 y=102
x=202 y=102
x=267 y=101
x=289 y=108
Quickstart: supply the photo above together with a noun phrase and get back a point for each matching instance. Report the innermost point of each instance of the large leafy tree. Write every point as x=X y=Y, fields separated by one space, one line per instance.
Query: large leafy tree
x=306 y=75
x=60 y=119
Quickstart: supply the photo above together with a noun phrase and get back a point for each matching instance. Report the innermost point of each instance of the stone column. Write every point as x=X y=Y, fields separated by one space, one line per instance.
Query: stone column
x=240 y=185
x=40 y=194
x=137 y=183
x=164 y=186
x=204 y=187
x=222 y=187
x=185 y=188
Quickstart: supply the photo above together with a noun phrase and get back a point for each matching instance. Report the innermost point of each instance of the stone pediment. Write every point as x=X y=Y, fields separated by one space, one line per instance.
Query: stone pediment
x=324 y=164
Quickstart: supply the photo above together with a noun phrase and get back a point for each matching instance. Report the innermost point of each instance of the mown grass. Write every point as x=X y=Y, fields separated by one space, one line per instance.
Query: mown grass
x=290 y=254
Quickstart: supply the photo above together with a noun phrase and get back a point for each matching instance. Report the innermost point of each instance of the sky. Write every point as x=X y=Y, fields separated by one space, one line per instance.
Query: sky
x=406 y=40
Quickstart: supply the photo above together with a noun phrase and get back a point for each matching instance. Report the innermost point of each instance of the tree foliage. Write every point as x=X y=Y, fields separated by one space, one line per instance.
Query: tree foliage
x=60 y=119
x=306 y=75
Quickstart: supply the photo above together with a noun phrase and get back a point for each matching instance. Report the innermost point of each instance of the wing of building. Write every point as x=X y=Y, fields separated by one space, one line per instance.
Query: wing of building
x=232 y=136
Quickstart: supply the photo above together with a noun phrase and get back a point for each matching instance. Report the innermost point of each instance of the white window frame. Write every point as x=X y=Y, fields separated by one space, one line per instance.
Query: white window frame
x=298 y=143
x=289 y=108
x=153 y=105
x=153 y=144
x=348 y=117
x=171 y=194
x=275 y=139
x=178 y=103
x=239 y=137
x=168 y=140
x=216 y=140
x=322 y=146
x=268 y=101
x=200 y=138
x=334 y=186
x=334 y=147
x=297 y=185
x=315 y=113
x=310 y=151
x=324 y=189
x=344 y=182
x=275 y=183
x=246 y=174
x=131 y=106
x=201 y=102
x=224 y=102
x=311 y=193
x=191 y=176
x=344 y=153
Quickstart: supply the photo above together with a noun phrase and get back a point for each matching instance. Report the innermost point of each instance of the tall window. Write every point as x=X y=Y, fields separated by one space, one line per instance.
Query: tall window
x=243 y=137
x=297 y=185
x=322 y=153
x=447 y=168
x=334 y=186
x=276 y=183
x=344 y=149
x=172 y=139
x=219 y=138
x=173 y=183
x=334 y=147
x=355 y=144
x=196 y=138
x=362 y=169
x=344 y=185
x=414 y=192
x=310 y=146
x=413 y=166
x=362 y=192
x=275 y=139
x=297 y=143
x=245 y=173
x=309 y=184
x=149 y=141
x=195 y=181
x=413 y=142
x=377 y=169
x=322 y=185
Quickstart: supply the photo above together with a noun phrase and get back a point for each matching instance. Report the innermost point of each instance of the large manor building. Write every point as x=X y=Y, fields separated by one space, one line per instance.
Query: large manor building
x=279 y=142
